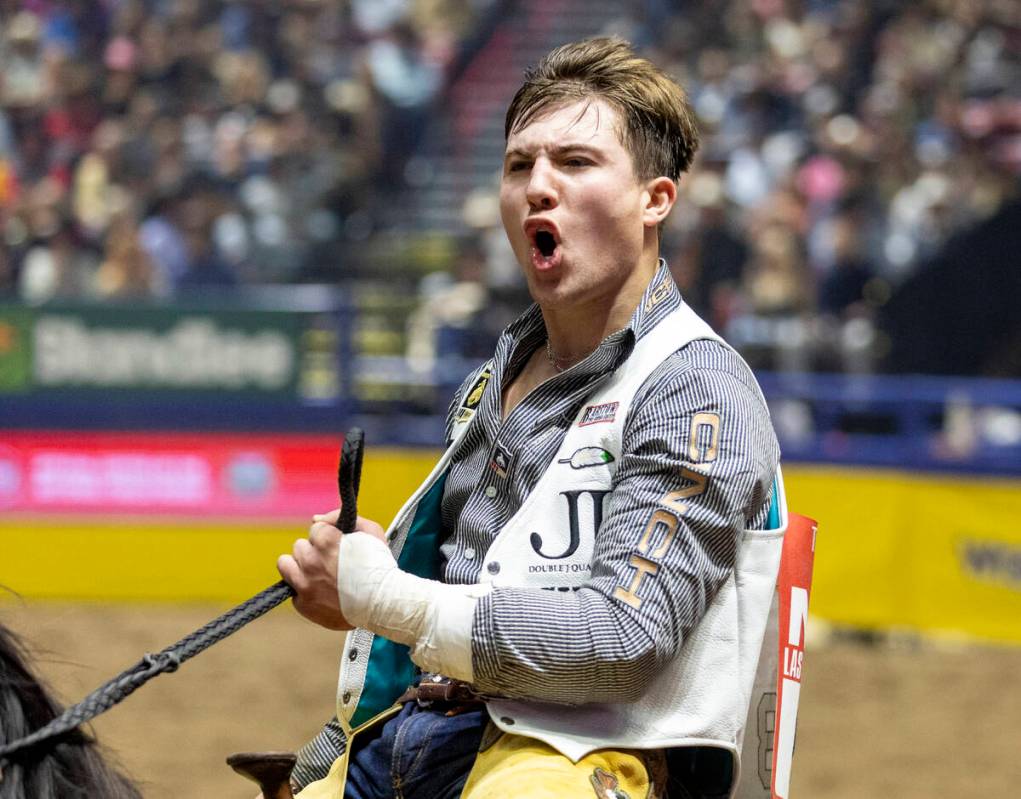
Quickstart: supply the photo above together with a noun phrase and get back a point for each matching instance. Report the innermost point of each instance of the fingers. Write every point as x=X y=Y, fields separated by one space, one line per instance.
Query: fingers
x=310 y=556
x=291 y=572
x=296 y=567
x=329 y=518
x=323 y=536
x=303 y=551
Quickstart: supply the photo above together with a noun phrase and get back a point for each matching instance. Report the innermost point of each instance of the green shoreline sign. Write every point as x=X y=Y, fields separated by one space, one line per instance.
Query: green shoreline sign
x=166 y=349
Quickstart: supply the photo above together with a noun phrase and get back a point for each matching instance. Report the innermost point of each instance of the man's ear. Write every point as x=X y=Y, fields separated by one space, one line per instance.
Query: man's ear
x=662 y=194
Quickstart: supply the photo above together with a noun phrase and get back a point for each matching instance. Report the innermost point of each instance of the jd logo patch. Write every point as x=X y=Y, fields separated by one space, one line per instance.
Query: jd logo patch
x=594 y=414
x=574 y=523
x=474 y=396
x=606 y=785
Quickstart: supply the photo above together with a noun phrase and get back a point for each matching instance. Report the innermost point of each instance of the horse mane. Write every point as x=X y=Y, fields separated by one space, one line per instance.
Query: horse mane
x=69 y=766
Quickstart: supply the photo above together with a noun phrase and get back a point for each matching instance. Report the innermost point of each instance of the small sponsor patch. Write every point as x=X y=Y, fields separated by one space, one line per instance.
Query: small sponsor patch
x=606 y=785
x=660 y=293
x=501 y=461
x=474 y=396
x=588 y=456
x=594 y=414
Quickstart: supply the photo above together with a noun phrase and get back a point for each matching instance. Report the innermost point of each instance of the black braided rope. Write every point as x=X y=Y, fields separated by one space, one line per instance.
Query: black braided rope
x=349 y=477
x=130 y=680
x=169 y=659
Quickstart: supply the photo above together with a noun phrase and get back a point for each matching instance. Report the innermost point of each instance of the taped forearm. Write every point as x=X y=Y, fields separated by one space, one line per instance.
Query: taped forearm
x=432 y=618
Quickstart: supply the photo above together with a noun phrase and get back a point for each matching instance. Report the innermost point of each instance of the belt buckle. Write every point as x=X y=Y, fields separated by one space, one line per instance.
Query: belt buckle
x=436 y=689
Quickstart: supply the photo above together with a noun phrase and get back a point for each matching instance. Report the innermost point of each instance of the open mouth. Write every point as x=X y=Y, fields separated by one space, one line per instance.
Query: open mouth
x=546 y=247
x=546 y=243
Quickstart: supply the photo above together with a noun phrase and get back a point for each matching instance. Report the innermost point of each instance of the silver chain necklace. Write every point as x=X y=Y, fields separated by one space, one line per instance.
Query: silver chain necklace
x=555 y=360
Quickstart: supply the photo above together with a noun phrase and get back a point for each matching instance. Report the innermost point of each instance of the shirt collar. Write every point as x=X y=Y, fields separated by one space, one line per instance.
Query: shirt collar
x=660 y=298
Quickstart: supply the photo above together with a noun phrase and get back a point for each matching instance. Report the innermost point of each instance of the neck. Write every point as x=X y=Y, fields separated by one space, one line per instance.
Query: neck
x=574 y=332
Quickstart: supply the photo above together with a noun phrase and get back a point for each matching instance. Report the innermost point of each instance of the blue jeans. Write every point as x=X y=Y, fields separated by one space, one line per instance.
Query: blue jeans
x=418 y=754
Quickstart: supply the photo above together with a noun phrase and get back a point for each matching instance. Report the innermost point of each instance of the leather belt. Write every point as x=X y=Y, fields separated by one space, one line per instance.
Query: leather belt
x=442 y=693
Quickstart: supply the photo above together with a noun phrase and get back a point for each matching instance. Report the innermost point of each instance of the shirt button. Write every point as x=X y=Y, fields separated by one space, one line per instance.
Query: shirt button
x=507 y=720
x=346 y=697
x=469 y=553
x=494 y=567
x=490 y=491
x=352 y=655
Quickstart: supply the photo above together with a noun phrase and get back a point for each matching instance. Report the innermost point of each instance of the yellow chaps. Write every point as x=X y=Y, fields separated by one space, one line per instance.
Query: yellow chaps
x=515 y=767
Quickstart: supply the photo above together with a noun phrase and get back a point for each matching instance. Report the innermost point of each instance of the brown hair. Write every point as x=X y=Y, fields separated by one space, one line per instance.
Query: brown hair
x=658 y=124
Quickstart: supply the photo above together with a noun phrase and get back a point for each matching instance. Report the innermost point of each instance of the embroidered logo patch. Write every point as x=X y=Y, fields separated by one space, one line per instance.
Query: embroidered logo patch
x=594 y=414
x=474 y=396
x=588 y=456
x=606 y=785
x=660 y=293
x=501 y=461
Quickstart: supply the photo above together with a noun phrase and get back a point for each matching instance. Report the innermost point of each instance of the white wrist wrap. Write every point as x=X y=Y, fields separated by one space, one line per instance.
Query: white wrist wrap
x=433 y=618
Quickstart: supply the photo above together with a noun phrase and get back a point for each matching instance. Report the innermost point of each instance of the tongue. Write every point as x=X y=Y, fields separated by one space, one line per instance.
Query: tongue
x=545 y=262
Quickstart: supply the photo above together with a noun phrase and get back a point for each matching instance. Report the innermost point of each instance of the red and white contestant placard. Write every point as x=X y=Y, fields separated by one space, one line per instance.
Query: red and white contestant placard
x=794 y=585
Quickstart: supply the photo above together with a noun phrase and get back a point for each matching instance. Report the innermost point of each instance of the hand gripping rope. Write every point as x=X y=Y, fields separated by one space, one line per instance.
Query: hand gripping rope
x=349 y=475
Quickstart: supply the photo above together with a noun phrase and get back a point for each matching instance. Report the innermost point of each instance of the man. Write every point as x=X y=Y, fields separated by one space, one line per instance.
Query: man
x=586 y=561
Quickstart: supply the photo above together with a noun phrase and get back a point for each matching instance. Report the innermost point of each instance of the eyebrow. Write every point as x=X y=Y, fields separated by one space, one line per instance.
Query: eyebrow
x=557 y=150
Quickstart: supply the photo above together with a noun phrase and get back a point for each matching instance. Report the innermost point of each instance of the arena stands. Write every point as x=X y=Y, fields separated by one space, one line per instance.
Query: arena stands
x=152 y=149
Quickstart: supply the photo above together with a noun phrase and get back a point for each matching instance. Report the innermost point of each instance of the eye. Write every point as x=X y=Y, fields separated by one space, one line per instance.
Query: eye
x=576 y=161
x=518 y=166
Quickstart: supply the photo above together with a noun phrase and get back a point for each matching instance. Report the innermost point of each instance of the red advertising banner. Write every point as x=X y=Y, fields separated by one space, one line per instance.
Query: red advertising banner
x=187 y=474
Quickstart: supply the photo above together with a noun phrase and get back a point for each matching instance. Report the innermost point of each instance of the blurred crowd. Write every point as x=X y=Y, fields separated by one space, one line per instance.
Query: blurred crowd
x=844 y=143
x=152 y=146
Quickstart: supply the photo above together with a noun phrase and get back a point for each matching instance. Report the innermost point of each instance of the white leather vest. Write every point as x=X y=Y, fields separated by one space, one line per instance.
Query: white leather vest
x=702 y=696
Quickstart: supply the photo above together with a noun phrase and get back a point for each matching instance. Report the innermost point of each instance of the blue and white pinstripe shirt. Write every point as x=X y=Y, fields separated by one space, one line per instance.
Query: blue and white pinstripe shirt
x=585 y=645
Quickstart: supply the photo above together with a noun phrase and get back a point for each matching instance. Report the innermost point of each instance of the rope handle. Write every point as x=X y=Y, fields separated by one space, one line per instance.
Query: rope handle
x=128 y=681
x=349 y=477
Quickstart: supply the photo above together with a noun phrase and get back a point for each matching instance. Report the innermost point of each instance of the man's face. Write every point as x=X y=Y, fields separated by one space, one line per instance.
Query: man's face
x=572 y=205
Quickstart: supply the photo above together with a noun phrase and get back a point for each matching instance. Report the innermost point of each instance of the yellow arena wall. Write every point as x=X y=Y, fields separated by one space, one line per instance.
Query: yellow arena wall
x=114 y=558
x=932 y=552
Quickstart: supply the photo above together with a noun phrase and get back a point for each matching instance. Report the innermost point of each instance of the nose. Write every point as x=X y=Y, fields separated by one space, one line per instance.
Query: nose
x=542 y=191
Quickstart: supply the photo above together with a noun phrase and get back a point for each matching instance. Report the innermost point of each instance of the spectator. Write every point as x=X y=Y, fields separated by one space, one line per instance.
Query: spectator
x=842 y=290
x=126 y=271
x=56 y=266
x=162 y=240
x=406 y=82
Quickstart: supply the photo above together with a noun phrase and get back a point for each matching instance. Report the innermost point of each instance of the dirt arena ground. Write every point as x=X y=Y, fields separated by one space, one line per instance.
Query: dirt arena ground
x=876 y=722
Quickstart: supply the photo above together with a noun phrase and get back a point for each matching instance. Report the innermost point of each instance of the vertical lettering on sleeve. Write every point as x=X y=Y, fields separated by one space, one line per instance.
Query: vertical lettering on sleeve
x=704 y=439
x=703 y=446
x=642 y=566
x=672 y=499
